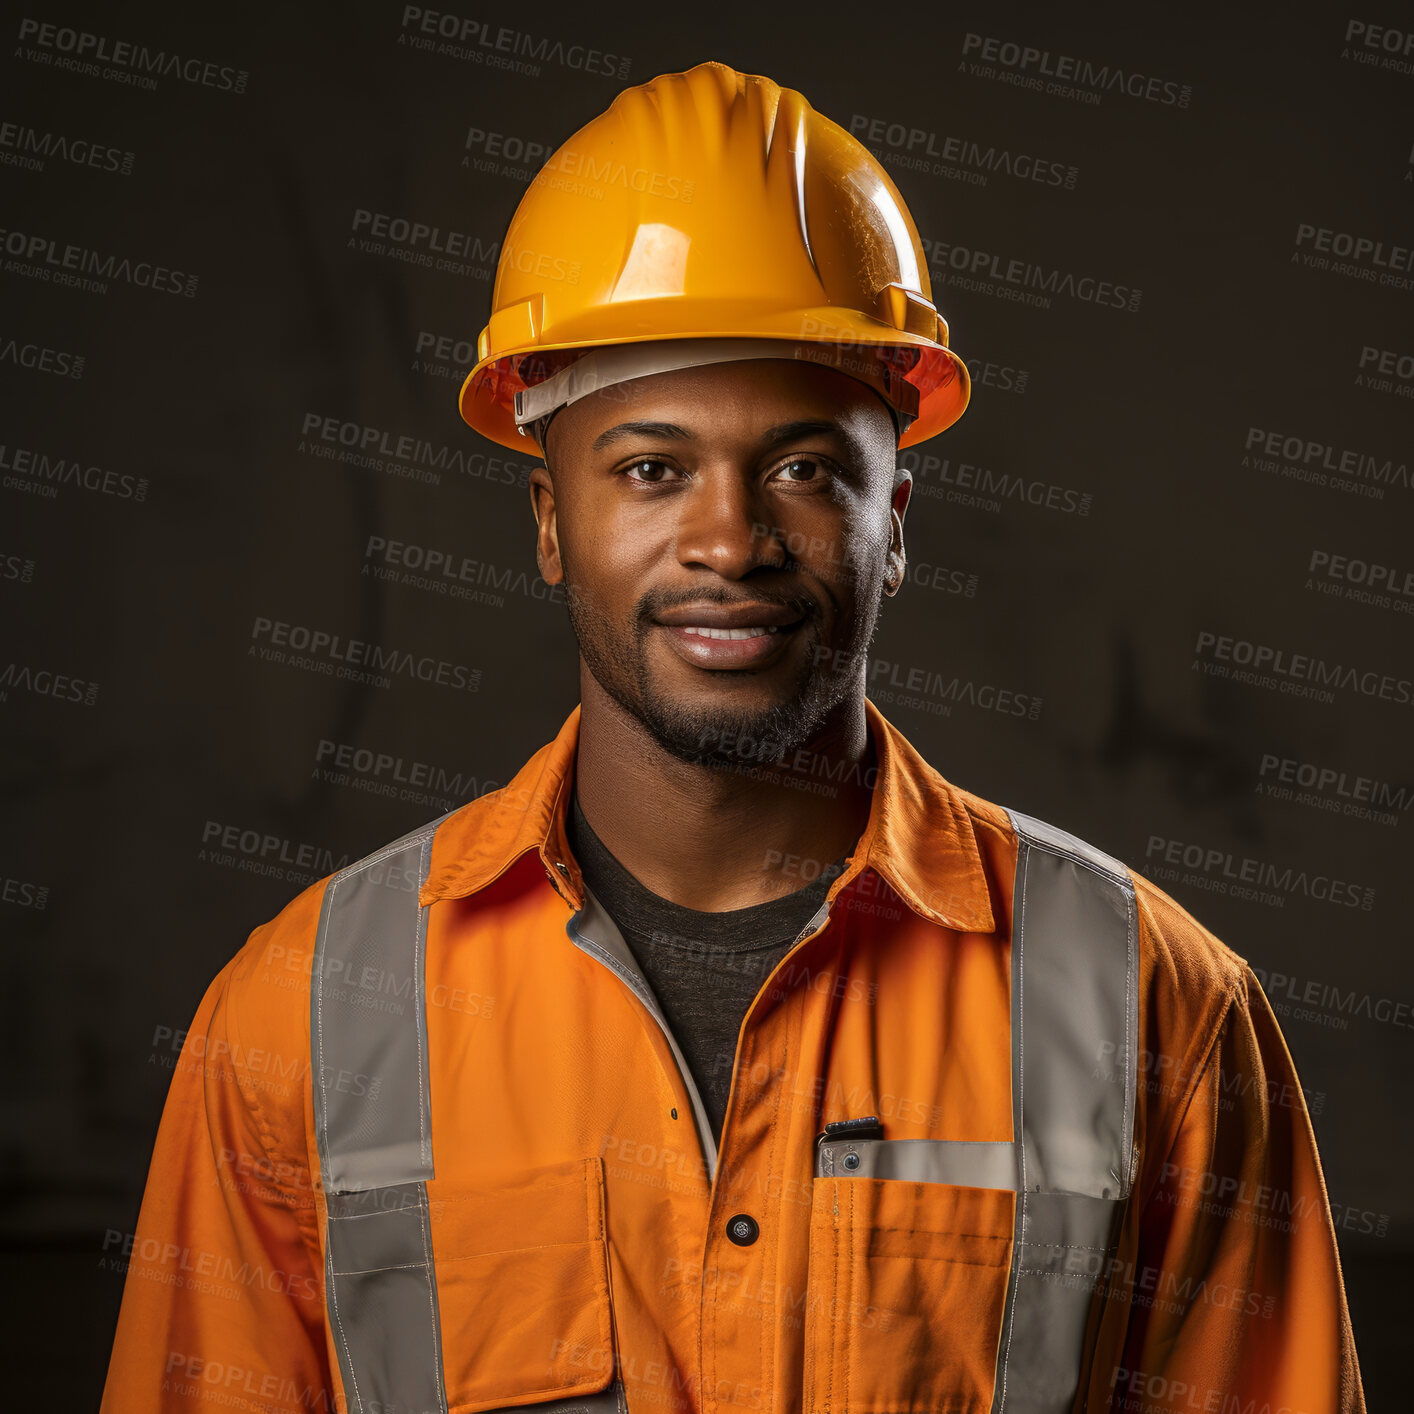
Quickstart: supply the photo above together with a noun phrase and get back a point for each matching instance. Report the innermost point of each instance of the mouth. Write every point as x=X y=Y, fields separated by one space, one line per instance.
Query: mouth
x=750 y=646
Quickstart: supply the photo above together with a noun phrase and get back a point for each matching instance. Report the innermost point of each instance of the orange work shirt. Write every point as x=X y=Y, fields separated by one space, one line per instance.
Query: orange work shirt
x=579 y=1223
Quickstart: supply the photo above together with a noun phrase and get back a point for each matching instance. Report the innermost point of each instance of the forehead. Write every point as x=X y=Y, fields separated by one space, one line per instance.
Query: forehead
x=743 y=397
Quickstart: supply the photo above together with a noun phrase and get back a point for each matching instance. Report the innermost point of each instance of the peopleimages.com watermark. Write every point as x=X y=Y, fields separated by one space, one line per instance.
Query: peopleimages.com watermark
x=97 y=56
x=1065 y=75
x=1358 y=257
x=1329 y=788
x=500 y=46
x=41 y=681
x=40 y=358
x=1318 y=463
x=352 y=659
x=1245 y=876
x=1328 y=1004
x=18 y=569
x=38 y=256
x=397 y=777
x=447 y=250
x=30 y=149
x=364 y=447
x=254 y=851
x=988 y=489
x=1022 y=281
x=439 y=570
x=22 y=893
x=504 y=154
x=1386 y=370
x=43 y=473
x=925 y=689
x=1372 y=583
x=908 y=148
x=1307 y=675
x=1379 y=46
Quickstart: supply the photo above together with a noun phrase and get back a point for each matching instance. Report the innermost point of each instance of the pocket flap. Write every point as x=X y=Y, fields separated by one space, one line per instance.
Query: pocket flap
x=961 y=1162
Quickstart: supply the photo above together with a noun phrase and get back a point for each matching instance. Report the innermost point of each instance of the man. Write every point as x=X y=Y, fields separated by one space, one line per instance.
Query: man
x=730 y=1056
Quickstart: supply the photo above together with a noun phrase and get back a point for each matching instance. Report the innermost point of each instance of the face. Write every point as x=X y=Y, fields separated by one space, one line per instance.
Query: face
x=724 y=534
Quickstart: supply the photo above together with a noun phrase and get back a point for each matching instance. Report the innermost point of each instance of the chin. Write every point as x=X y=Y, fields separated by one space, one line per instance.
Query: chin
x=730 y=729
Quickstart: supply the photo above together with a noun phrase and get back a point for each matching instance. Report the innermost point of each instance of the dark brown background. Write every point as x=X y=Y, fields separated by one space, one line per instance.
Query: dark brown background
x=115 y=917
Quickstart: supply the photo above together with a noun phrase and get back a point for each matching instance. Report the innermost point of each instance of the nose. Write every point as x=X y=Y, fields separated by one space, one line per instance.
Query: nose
x=724 y=524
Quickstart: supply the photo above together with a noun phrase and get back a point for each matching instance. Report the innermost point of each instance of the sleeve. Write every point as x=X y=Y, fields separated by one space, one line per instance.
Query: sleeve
x=1242 y=1305
x=222 y=1298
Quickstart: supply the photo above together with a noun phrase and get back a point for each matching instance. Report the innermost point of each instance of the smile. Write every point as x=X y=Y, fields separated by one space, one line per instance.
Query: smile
x=750 y=646
x=754 y=632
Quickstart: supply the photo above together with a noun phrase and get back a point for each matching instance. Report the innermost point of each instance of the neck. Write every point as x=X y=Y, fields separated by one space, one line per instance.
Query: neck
x=716 y=838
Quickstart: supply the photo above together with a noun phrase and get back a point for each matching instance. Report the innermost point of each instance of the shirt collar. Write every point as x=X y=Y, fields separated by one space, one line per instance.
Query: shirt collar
x=919 y=835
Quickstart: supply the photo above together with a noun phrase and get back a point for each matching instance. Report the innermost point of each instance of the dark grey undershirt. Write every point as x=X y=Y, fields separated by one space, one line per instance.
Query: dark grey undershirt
x=705 y=968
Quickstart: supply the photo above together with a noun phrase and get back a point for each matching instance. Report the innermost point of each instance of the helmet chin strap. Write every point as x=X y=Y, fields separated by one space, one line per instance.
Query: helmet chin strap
x=539 y=429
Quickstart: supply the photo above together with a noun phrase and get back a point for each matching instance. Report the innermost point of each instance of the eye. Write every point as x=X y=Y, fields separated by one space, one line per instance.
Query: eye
x=646 y=471
x=802 y=471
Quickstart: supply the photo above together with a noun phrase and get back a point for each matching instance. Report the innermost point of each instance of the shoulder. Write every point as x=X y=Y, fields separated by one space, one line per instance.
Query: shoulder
x=1193 y=958
x=1190 y=956
x=1187 y=976
x=262 y=1000
x=1189 y=983
x=263 y=1015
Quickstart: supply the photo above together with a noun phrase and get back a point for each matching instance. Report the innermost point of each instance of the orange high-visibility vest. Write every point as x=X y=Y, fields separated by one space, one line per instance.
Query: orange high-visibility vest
x=432 y=1146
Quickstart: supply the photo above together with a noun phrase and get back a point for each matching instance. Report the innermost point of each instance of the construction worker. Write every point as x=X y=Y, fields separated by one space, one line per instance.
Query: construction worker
x=730 y=1057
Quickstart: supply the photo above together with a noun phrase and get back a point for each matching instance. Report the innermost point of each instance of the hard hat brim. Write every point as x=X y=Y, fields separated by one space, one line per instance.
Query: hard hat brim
x=487 y=395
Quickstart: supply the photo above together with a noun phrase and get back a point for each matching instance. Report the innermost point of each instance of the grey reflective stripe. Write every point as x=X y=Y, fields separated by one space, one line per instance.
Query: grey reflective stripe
x=957 y=1161
x=382 y=1296
x=1056 y=1269
x=372 y=1121
x=1075 y=962
x=368 y=1025
x=1074 y=967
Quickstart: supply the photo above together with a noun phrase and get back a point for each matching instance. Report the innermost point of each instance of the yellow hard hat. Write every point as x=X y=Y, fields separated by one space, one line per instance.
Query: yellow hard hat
x=711 y=205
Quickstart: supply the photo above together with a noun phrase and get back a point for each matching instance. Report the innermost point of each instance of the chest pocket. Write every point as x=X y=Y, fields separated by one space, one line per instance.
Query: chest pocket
x=907 y=1289
x=443 y=1295
x=523 y=1290
x=961 y=1276
x=454 y=1297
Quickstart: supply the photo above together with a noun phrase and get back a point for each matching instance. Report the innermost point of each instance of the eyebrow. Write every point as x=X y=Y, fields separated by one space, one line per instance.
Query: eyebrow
x=641 y=429
x=776 y=436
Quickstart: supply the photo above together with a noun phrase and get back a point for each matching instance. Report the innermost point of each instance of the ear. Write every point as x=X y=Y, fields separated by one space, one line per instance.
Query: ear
x=897 y=566
x=547 y=539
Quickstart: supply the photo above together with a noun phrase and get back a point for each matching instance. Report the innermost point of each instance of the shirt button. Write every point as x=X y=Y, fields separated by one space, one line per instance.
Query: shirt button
x=743 y=1229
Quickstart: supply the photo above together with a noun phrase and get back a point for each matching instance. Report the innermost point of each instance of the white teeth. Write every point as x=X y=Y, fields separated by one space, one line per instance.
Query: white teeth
x=756 y=632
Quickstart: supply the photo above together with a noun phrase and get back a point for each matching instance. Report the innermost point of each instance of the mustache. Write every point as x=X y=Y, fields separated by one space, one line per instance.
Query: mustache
x=800 y=604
